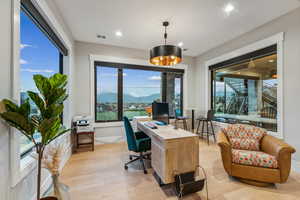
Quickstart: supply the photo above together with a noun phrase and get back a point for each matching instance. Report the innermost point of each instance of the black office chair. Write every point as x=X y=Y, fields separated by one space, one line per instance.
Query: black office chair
x=206 y=120
x=137 y=142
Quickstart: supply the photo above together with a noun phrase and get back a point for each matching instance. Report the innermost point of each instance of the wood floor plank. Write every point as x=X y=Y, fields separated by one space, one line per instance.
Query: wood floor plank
x=100 y=175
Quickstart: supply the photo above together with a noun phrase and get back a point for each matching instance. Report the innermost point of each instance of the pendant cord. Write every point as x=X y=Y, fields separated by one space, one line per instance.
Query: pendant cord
x=165 y=35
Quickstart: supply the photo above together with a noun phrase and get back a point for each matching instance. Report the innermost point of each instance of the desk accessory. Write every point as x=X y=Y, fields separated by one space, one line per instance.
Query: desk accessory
x=188 y=183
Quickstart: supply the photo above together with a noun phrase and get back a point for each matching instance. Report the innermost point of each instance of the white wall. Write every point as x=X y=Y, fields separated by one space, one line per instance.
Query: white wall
x=82 y=80
x=290 y=24
x=5 y=89
x=25 y=189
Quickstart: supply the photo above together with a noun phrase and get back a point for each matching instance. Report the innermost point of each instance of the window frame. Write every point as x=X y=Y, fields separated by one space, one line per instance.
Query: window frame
x=21 y=167
x=121 y=67
x=238 y=60
x=274 y=39
x=61 y=68
x=35 y=16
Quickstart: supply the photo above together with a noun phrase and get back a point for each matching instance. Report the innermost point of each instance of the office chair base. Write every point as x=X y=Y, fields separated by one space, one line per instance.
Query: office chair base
x=140 y=158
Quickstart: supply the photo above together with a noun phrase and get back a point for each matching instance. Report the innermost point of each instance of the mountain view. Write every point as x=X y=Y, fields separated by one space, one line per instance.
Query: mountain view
x=108 y=97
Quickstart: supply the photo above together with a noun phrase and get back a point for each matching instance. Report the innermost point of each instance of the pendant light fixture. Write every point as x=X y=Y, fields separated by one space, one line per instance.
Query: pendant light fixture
x=165 y=55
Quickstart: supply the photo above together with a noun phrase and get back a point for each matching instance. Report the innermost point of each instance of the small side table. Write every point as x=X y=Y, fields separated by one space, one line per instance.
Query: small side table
x=90 y=134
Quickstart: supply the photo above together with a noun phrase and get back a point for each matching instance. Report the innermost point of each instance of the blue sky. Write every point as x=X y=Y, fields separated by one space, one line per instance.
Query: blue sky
x=135 y=82
x=39 y=56
x=37 y=53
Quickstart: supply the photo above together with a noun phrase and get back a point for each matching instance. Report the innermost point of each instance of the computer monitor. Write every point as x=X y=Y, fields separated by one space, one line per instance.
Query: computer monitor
x=160 y=112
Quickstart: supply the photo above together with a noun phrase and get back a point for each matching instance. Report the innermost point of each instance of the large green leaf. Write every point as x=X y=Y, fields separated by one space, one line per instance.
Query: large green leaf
x=48 y=127
x=10 y=106
x=54 y=110
x=58 y=134
x=58 y=80
x=24 y=109
x=39 y=102
x=49 y=101
x=43 y=85
x=19 y=122
x=58 y=96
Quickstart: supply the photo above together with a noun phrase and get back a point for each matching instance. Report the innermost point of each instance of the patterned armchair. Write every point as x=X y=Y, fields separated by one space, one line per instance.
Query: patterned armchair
x=254 y=157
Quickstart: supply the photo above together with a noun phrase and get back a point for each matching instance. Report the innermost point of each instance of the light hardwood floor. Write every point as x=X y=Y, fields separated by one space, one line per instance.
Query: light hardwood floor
x=100 y=175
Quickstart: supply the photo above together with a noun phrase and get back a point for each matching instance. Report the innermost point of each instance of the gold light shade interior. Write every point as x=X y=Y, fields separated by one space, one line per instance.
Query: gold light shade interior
x=165 y=60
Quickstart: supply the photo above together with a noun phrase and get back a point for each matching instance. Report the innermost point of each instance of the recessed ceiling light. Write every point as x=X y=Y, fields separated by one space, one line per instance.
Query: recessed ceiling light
x=271 y=61
x=229 y=8
x=180 y=44
x=119 y=34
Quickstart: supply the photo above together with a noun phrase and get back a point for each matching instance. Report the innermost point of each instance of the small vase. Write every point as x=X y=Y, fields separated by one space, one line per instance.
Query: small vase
x=60 y=190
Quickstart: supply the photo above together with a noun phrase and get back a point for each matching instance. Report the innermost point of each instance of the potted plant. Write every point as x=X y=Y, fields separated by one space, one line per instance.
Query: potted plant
x=46 y=122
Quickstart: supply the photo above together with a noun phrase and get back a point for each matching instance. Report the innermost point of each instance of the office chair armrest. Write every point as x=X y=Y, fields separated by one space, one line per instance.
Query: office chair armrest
x=140 y=135
x=143 y=144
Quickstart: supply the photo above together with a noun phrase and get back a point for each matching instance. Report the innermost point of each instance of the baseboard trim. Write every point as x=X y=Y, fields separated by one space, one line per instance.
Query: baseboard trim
x=109 y=139
x=296 y=166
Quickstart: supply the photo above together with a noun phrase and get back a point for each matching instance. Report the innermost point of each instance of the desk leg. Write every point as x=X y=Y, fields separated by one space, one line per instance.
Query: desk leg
x=158 y=179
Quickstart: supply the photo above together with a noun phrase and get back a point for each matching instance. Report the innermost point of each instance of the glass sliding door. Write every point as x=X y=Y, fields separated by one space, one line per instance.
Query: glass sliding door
x=246 y=92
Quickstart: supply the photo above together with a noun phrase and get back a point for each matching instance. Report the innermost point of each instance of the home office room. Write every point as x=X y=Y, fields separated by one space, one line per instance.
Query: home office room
x=142 y=100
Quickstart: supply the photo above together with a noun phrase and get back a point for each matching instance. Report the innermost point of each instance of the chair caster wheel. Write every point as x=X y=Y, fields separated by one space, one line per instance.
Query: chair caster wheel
x=125 y=167
x=145 y=172
x=130 y=157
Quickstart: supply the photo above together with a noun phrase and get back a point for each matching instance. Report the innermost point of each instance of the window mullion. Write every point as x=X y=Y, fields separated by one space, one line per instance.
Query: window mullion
x=164 y=86
x=120 y=94
x=181 y=93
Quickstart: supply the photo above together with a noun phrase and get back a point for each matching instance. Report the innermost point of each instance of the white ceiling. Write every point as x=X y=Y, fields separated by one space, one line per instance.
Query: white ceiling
x=199 y=24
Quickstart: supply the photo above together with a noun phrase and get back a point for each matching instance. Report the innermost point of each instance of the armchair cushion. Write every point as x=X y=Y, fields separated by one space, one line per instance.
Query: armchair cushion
x=254 y=158
x=244 y=137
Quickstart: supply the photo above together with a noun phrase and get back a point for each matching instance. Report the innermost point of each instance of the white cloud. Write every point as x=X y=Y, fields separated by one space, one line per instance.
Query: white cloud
x=22 y=46
x=154 y=78
x=37 y=70
x=23 y=62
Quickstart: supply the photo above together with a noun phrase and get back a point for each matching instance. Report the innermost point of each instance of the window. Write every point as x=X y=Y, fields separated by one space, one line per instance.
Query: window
x=107 y=94
x=174 y=92
x=244 y=89
x=128 y=90
x=40 y=53
x=140 y=89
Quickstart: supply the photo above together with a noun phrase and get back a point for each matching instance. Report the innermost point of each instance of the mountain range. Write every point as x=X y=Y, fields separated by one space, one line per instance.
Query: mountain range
x=108 y=97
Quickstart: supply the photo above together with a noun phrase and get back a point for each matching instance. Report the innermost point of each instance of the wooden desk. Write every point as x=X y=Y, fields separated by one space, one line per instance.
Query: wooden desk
x=173 y=151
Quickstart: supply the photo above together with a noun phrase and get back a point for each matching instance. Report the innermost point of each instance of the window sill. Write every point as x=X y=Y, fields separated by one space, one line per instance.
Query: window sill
x=224 y=125
x=27 y=165
x=108 y=124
